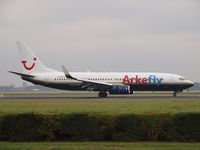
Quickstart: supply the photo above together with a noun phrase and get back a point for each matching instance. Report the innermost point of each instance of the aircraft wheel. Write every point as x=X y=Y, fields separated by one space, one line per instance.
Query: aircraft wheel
x=103 y=94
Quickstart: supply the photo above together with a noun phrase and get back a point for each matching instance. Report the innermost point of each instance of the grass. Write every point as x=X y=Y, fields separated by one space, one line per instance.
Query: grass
x=71 y=103
x=98 y=146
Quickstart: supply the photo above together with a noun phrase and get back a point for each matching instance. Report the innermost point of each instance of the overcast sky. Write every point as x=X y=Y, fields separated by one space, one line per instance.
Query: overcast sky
x=103 y=35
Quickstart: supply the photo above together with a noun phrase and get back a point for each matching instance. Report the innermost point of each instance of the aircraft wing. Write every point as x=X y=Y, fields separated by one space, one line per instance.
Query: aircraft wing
x=88 y=84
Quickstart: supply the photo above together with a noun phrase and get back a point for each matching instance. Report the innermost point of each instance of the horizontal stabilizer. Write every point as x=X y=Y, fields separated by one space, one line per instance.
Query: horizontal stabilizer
x=22 y=74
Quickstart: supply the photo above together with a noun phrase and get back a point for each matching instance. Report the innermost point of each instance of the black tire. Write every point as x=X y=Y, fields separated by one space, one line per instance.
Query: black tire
x=103 y=94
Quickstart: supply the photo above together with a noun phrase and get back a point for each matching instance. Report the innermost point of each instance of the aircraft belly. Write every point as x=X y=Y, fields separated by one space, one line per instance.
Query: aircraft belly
x=66 y=86
x=163 y=87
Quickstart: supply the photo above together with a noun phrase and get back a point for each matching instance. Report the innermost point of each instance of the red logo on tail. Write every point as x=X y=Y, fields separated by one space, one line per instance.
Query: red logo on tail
x=27 y=67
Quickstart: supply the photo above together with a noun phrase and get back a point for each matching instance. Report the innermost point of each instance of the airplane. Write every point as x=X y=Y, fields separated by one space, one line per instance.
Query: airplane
x=36 y=72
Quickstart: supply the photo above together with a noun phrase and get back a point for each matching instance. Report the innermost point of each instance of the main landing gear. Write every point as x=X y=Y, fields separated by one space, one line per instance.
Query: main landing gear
x=103 y=94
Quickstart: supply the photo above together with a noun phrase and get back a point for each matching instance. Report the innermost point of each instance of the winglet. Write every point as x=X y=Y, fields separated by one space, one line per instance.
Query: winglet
x=67 y=73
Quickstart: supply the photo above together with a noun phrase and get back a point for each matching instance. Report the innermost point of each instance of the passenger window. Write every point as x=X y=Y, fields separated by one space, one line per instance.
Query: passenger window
x=181 y=78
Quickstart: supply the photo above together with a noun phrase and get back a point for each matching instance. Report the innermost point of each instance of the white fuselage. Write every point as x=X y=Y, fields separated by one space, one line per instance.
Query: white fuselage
x=136 y=80
x=112 y=77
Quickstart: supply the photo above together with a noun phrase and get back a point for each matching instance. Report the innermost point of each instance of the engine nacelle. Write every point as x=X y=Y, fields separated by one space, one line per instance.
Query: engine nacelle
x=120 y=89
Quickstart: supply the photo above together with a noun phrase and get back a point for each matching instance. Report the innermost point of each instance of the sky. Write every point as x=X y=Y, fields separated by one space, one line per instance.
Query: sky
x=102 y=35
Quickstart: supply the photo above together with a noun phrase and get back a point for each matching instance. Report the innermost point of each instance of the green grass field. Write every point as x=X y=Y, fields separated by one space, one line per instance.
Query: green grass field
x=98 y=146
x=71 y=103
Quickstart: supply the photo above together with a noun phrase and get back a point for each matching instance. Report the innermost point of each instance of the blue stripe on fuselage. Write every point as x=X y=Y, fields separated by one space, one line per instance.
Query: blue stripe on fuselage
x=162 y=87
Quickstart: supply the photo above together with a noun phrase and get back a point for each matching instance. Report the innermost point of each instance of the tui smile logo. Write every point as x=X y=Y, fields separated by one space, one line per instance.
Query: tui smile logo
x=24 y=62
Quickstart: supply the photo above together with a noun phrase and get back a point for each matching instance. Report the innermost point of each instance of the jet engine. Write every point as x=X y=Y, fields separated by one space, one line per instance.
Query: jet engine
x=120 y=89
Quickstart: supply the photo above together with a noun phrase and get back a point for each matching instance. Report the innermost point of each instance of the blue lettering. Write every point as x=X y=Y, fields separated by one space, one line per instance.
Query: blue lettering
x=153 y=80
x=159 y=81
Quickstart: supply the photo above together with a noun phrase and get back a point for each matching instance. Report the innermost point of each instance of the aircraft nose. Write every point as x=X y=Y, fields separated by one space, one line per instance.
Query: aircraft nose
x=190 y=83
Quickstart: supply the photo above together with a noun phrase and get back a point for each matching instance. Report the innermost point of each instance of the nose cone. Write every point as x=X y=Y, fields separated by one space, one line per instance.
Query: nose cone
x=190 y=83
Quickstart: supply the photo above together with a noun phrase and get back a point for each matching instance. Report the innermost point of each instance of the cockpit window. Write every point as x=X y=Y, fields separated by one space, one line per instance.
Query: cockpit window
x=182 y=78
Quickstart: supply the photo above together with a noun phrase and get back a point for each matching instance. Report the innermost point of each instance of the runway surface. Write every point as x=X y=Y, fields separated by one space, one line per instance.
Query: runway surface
x=90 y=96
x=58 y=103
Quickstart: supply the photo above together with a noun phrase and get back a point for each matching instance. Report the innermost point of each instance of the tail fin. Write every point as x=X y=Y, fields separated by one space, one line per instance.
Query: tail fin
x=30 y=63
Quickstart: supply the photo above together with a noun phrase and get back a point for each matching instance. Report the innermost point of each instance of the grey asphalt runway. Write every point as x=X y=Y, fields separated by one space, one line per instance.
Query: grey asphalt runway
x=86 y=96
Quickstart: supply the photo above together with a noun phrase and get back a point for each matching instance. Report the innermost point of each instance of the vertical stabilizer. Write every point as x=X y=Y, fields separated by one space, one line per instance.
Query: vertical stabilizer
x=30 y=63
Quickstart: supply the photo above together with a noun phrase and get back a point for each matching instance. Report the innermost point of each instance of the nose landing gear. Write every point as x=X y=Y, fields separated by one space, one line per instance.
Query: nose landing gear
x=174 y=94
